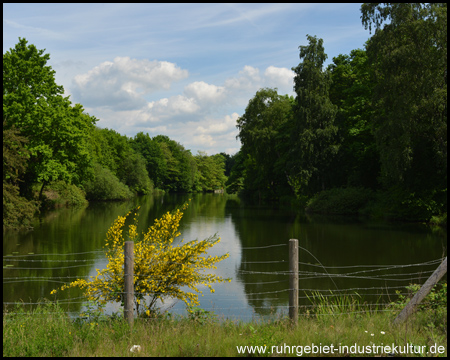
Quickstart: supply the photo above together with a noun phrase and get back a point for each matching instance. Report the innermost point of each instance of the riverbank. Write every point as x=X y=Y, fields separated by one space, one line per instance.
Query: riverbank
x=48 y=331
x=391 y=205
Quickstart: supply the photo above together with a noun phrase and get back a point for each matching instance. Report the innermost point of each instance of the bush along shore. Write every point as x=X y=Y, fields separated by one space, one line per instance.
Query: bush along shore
x=47 y=330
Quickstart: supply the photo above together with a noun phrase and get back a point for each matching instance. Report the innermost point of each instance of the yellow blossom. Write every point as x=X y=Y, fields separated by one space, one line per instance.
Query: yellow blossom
x=160 y=268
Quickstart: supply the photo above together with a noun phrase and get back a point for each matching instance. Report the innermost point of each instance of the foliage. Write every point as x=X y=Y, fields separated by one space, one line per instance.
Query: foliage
x=210 y=172
x=439 y=220
x=313 y=132
x=47 y=323
x=106 y=186
x=180 y=165
x=177 y=336
x=161 y=269
x=397 y=203
x=17 y=210
x=264 y=336
x=151 y=151
x=235 y=181
x=339 y=201
x=433 y=307
x=351 y=90
x=409 y=55
x=56 y=131
x=66 y=194
x=136 y=175
x=374 y=119
x=200 y=315
x=259 y=132
x=335 y=304
x=116 y=153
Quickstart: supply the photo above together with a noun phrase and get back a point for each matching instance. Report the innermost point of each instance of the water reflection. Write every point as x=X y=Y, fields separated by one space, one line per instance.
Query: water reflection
x=260 y=283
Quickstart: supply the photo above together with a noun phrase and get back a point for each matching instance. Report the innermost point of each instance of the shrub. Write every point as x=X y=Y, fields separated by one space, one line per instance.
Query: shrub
x=397 y=203
x=106 y=186
x=160 y=269
x=17 y=211
x=135 y=174
x=339 y=201
x=66 y=194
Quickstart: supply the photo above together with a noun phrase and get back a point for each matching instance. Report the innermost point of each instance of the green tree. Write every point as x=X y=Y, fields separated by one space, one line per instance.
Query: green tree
x=211 y=172
x=57 y=132
x=179 y=164
x=105 y=186
x=235 y=181
x=100 y=149
x=357 y=161
x=151 y=151
x=136 y=174
x=229 y=162
x=408 y=52
x=259 y=132
x=17 y=211
x=118 y=154
x=313 y=132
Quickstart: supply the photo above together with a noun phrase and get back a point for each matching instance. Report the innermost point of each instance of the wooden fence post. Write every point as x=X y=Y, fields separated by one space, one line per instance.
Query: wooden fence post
x=293 y=281
x=128 y=311
x=424 y=290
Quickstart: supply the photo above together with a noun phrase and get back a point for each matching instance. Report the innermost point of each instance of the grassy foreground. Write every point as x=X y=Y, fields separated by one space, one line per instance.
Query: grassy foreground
x=48 y=331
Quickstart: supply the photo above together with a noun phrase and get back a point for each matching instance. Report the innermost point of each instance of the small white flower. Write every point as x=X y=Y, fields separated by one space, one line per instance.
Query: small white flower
x=135 y=348
x=366 y=331
x=383 y=332
x=372 y=334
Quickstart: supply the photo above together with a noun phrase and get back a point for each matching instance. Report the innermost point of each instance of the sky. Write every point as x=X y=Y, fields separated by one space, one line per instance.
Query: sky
x=184 y=70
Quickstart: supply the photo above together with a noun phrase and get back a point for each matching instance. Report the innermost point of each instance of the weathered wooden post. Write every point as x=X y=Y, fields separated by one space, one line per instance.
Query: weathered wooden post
x=128 y=311
x=293 y=281
x=424 y=290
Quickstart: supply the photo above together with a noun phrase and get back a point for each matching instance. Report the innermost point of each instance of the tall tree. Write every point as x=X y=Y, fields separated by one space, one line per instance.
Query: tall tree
x=357 y=162
x=259 y=132
x=57 y=132
x=409 y=54
x=313 y=133
x=17 y=211
x=210 y=172
x=152 y=153
x=179 y=164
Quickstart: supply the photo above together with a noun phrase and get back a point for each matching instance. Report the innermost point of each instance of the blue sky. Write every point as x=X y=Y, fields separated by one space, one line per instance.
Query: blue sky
x=182 y=70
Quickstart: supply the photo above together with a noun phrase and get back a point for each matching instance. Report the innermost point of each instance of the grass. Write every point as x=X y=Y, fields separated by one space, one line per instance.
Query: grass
x=48 y=331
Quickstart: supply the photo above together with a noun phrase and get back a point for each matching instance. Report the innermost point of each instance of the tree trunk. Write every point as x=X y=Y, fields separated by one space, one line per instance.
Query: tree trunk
x=42 y=190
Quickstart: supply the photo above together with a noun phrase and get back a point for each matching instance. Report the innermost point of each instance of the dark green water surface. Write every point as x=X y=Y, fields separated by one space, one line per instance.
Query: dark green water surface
x=359 y=255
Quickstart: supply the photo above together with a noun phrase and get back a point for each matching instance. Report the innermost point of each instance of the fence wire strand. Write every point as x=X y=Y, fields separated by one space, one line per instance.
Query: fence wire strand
x=303 y=275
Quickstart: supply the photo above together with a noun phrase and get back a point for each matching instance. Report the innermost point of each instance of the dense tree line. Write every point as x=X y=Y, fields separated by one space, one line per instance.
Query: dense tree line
x=369 y=131
x=51 y=145
x=367 y=134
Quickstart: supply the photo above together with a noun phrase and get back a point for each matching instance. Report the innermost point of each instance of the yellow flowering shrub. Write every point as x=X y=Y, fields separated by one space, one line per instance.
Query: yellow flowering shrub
x=160 y=268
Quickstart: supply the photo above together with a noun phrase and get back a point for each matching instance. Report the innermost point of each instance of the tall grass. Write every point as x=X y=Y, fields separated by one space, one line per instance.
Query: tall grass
x=48 y=331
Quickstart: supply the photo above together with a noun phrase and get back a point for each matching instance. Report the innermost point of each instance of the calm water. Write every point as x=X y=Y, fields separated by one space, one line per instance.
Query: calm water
x=259 y=285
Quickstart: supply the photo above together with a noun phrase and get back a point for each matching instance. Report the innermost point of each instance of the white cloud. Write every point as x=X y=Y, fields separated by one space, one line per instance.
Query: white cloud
x=247 y=79
x=219 y=126
x=282 y=78
x=202 y=117
x=175 y=105
x=204 y=92
x=122 y=83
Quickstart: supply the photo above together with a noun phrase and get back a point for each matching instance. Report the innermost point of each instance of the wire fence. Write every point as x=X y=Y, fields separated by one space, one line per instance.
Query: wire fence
x=391 y=282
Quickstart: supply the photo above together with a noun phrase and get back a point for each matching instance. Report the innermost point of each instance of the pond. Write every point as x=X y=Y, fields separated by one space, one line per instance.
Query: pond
x=344 y=255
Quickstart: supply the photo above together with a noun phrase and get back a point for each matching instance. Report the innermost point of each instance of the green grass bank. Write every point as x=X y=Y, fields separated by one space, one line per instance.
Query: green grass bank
x=48 y=331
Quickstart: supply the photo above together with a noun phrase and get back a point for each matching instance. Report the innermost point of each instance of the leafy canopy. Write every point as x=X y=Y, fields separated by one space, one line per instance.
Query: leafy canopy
x=160 y=268
x=56 y=131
